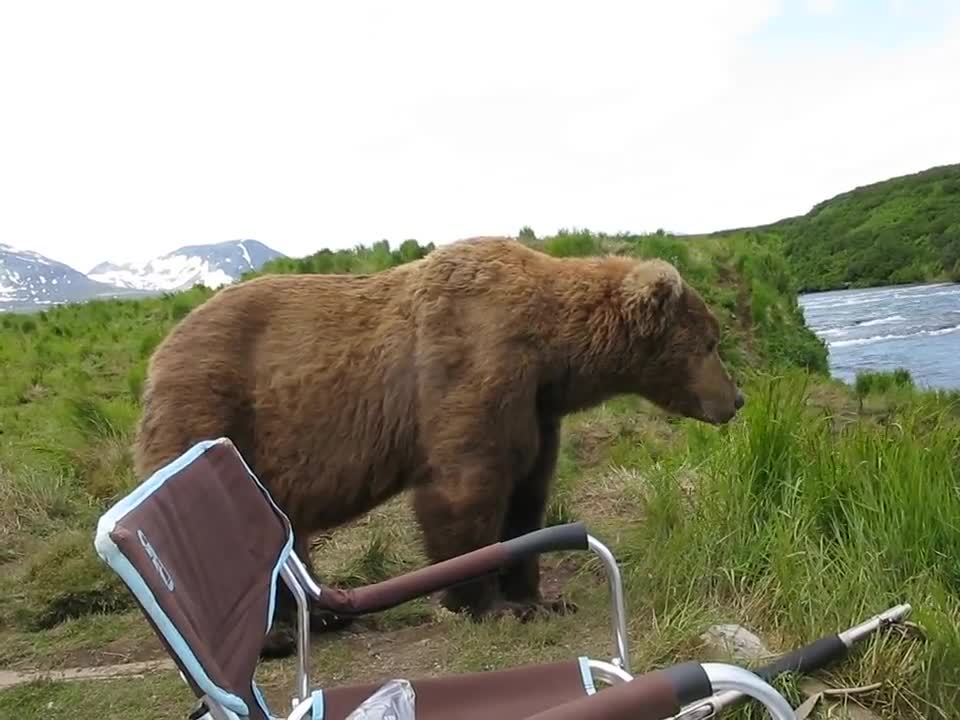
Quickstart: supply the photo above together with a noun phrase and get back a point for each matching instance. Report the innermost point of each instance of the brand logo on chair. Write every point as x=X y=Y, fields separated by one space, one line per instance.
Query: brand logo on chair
x=157 y=563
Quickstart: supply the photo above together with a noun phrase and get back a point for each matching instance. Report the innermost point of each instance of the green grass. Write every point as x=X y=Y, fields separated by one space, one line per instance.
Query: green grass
x=819 y=525
x=156 y=697
x=820 y=506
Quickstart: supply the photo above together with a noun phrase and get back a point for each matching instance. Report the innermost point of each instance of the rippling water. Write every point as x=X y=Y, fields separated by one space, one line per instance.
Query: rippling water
x=916 y=327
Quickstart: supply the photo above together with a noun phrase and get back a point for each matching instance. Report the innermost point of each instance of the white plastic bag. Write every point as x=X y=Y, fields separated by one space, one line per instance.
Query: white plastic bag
x=394 y=700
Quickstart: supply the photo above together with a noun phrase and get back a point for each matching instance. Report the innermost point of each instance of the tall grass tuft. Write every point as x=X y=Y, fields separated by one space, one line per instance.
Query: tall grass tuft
x=826 y=523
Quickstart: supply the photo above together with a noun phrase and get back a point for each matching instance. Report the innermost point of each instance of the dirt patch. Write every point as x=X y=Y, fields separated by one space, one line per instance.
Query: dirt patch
x=122 y=651
x=407 y=651
x=10 y=678
x=555 y=577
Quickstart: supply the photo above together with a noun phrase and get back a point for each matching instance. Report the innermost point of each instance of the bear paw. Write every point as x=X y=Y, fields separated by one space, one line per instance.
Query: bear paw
x=526 y=611
x=280 y=642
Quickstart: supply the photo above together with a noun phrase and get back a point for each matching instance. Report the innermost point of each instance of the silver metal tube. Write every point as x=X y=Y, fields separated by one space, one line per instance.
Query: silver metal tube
x=608 y=672
x=712 y=705
x=700 y=711
x=303 y=630
x=299 y=571
x=302 y=710
x=618 y=613
x=889 y=617
x=730 y=677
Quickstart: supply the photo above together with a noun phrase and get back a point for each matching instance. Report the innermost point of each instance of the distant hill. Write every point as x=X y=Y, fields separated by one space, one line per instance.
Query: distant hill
x=902 y=230
x=212 y=265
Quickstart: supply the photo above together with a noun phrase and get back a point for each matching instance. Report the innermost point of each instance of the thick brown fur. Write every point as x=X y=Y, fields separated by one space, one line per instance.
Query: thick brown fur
x=448 y=376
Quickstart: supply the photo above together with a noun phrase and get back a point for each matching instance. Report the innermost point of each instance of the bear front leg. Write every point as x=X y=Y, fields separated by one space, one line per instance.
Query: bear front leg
x=455 y=518
x=526 y=513
x=520 y=583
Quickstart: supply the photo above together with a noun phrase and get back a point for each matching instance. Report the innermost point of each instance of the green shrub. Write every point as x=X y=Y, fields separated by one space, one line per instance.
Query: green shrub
x=870 y=382
x=571 y=244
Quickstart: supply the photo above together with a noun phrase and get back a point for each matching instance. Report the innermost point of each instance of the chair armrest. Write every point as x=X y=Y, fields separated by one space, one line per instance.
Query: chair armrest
x=423 y=581
x=662 y=694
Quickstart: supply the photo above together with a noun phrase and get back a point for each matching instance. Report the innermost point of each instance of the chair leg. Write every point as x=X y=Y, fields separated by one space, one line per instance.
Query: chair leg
x=289 y=576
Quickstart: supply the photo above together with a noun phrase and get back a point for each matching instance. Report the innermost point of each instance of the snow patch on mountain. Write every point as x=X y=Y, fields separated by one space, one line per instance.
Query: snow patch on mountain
x=169 y=272
x=212 y=265
x=29 y=279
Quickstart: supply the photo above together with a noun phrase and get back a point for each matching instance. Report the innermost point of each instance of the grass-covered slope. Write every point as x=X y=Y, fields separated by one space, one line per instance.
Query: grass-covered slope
x=812 y=511
x=901 y=230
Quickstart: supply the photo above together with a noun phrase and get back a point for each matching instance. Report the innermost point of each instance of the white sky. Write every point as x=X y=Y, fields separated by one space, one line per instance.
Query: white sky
x=128 y=129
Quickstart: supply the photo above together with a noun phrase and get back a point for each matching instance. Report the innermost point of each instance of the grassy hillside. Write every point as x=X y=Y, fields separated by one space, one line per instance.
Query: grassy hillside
x=902 y=230
x=814 y=510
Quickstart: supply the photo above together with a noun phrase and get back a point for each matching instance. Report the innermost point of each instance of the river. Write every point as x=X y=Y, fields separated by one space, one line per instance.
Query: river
x=916 y=327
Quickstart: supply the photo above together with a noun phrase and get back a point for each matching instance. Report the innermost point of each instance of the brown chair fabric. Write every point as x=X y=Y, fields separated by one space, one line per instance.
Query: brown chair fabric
x=650 y=696
x=205 y=543
x=512 y=694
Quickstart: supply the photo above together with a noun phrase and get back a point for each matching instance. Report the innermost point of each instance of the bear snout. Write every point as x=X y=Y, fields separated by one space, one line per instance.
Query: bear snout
x=719 y=412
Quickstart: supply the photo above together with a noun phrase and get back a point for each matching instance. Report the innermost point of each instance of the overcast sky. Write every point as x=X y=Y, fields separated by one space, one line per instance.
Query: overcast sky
x=129 y=129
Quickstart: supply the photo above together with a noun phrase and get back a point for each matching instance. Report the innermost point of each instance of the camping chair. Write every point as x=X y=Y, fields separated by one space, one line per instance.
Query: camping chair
x=200 y=544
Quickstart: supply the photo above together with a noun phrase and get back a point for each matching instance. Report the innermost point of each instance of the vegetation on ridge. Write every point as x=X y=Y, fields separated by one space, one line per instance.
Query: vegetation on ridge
x=901 y=230
x=817 y=508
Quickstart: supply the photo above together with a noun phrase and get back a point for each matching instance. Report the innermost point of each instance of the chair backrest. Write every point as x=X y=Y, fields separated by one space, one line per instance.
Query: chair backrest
x=200 y=544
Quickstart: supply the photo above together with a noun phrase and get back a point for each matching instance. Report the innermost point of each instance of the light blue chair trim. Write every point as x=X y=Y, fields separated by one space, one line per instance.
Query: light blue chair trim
x=110 y=554
x=261 y=701
x=317 y=710
x=586 y=677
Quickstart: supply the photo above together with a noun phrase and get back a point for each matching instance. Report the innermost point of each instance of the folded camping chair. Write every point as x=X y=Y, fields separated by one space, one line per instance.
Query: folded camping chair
x=200 y=544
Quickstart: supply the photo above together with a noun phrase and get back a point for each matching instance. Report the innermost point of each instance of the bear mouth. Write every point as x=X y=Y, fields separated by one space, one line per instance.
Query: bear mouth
x=705 y=412
x=712 y=416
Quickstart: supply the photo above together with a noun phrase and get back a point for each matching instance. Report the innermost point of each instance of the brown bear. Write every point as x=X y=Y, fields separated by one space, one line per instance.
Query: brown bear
x=448 y=376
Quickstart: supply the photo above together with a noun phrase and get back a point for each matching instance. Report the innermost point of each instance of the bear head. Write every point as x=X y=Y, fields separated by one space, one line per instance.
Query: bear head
x=673 y=357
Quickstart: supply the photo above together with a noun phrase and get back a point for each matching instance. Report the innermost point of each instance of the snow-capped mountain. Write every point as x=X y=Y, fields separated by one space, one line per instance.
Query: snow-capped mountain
x=29 y=280
x=212 y=265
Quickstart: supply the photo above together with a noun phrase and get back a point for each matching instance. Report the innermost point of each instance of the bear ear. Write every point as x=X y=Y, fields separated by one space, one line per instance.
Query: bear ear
x=652 y=290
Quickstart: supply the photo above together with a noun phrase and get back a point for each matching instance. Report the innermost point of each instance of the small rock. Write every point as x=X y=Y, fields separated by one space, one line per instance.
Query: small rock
x=730 y=641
